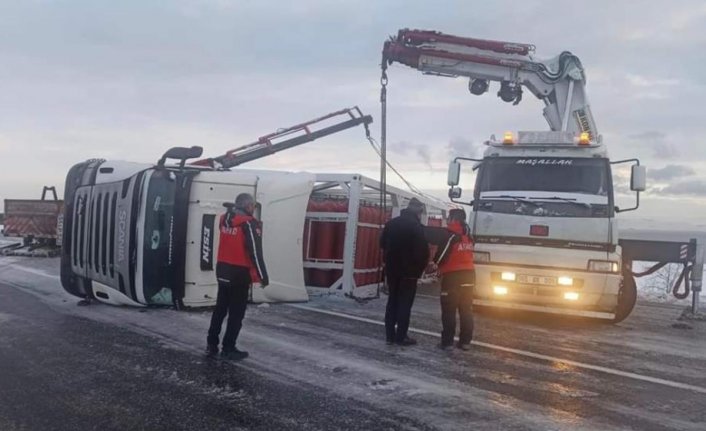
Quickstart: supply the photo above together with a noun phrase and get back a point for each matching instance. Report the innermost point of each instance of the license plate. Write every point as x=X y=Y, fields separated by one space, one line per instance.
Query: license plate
x=536 y=279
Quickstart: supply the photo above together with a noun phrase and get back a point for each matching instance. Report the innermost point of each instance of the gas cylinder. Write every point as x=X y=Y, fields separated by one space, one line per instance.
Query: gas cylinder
x=361 y=245
x=339 y=206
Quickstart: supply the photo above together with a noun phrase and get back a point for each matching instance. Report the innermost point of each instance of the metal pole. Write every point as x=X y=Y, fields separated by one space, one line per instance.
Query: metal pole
x=697 y=273
x=350 y=242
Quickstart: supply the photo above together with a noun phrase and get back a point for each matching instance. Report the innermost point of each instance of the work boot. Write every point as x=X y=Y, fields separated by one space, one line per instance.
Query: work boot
x=464 y=346
x=407 y=341
x=234 y=355
x=445 y=346
x=390 y=341
x=211 y=351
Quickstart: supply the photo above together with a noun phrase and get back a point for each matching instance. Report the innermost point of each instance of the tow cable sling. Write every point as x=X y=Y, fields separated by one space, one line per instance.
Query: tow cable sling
x=383 y=161
x=684 y=277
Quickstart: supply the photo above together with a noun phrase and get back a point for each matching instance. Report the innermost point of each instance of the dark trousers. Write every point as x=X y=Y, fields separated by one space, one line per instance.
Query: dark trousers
x=457 y=296
x=399 y=306
x=233 y=287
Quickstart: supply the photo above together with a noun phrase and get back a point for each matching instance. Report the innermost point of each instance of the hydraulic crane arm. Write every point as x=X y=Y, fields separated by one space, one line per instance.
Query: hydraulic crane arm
x=558 y=82
x=295 y=135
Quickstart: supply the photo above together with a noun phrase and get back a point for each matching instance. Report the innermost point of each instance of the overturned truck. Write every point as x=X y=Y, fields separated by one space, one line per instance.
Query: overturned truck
x=146 y=234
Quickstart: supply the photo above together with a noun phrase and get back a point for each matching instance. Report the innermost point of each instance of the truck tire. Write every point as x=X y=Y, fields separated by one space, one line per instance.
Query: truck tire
x=627 y=297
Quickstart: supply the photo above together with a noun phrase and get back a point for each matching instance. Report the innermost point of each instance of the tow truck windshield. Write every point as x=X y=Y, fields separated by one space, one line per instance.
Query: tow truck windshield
x=545 y=186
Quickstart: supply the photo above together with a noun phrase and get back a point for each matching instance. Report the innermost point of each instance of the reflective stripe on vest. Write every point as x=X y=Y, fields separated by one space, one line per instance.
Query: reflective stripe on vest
x=460 y=256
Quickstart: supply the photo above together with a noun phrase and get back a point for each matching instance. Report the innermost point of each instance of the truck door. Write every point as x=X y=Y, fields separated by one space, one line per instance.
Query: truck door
x=283 y=202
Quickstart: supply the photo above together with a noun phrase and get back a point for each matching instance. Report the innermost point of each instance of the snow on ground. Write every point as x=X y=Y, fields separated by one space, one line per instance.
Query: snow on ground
x=6 y=241
x=484 y=389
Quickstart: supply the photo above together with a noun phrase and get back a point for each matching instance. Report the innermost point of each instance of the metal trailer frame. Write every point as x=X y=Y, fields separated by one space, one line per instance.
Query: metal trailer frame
x=687 y=247
x=356 y=188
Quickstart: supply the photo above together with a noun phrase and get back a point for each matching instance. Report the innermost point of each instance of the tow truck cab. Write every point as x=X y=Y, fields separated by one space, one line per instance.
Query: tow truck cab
x=544 y=225
x=140 y=234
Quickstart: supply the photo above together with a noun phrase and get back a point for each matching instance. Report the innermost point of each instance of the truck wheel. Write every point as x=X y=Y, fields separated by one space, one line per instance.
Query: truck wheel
x=627 y=297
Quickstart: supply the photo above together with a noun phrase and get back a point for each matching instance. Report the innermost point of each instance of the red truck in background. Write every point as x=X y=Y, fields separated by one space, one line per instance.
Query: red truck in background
x=38 y=222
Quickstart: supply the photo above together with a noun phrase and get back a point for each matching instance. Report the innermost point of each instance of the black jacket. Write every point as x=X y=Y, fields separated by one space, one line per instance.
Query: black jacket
x=405 y=248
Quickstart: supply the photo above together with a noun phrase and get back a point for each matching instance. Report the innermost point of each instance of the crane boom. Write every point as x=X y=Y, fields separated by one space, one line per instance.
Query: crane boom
x=559 y=82
x=295 y=135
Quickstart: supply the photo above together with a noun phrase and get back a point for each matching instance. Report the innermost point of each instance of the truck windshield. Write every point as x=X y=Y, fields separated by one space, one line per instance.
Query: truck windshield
x=547 y=175
x=158 y=238
x=545 y=186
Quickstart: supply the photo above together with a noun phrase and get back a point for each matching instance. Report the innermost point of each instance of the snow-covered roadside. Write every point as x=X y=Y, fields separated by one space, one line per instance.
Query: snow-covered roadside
x=7 y=240
x=657 y=287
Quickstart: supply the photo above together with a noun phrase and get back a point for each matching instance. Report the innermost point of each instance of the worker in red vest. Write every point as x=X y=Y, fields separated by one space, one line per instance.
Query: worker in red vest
x=239 y=264
x=454 y=258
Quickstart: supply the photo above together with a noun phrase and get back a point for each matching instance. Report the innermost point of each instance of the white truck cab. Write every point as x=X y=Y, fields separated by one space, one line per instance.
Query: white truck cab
x=139 y=234
x=544 y=225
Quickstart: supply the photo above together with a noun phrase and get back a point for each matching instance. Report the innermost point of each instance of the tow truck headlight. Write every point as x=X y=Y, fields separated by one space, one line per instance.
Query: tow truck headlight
x=603 y=266
x=481 y=257
x=500 y=290
x=508 y=276
x=565 y=281
x=571 y=296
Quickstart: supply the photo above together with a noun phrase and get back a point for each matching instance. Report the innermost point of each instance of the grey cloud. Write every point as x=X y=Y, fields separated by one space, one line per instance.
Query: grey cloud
x=695 y=187
x=670 y=172
x=661 y=146
x=420 y=150
x=136 y=74
x=650 y=136
x=463 y=147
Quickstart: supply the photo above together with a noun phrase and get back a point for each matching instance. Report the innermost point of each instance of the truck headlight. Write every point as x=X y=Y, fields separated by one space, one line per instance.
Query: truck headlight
x=565 y=281
x=500 y=290
x=603 y=266
x=508 y=276
x=571 y=296
x=481 y=257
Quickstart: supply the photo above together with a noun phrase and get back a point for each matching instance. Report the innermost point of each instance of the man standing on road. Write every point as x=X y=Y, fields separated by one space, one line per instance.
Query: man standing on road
x=405 y=254
x=455 y=261
x=239 y=264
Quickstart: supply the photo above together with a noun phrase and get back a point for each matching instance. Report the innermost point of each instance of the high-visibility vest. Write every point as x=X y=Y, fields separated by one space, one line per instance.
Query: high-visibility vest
x=232 y=248
x=459 y=256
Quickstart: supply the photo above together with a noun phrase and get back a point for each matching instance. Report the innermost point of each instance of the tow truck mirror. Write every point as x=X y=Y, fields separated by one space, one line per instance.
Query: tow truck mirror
x=454 y=174
x=455 y=192
x=181 y=153
x=638 y=178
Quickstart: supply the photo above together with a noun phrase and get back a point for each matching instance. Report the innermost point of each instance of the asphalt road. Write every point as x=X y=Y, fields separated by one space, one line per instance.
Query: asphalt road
x=62 y=372
x=324 y=365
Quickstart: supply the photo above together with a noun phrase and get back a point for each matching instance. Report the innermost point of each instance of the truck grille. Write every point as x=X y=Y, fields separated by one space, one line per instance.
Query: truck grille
x=93 y=233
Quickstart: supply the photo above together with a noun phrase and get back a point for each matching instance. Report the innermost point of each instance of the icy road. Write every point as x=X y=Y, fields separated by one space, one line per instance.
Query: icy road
x=324 y=365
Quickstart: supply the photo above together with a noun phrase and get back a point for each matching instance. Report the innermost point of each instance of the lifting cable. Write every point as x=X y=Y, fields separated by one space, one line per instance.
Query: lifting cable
x=383 y=161
x=381 y=149
x=684 y=277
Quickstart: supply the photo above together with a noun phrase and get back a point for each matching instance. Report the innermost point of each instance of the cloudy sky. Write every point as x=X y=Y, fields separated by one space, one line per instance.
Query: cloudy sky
x=128 y=79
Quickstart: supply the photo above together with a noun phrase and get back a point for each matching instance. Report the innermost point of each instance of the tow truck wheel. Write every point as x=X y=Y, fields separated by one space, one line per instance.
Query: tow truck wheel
x=627 y=297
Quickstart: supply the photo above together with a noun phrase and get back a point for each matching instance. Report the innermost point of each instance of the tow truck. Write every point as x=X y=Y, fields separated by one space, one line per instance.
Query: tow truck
x=144 y=234
x=543 y=208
